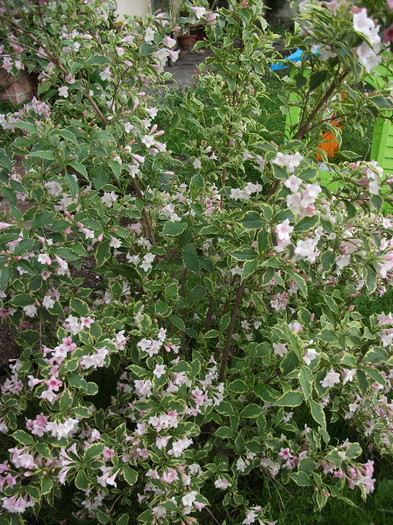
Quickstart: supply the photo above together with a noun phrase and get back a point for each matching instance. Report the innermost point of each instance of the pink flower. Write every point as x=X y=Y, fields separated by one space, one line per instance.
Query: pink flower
x=54 y=383
x=283 y=230
x=169 y=476
x=307 y=249
x=293 y=183
x=280 y=349
x=16 y=504
x=159 y=371
x=285 y=453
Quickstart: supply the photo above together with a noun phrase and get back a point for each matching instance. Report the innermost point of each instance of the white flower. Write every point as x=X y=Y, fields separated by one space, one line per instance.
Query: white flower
x=199 y=11
x=342 y=261
x=63 y=91
x=189 y=498
x=44 y=258
x=293 y=183
x=284 y=230
x=349 y=375
x=366 y=26
x=179 y=446
x=169 y=42
x=236 y=270
x=149 y=257
x=148 y=140
x=309 y=355
x=294 y=202
x=280 y=349
x=115 y=243
x=54 y=188
x=66 y=429
x=367 y=58
x=237 y=193
x=332 y=378
x=374 y=187
x=325 y=52
x=222 y=483
x=307 y=249
x=96 y=360
x=149 y=35
x=48 y=302
x=106 y=74
x=30 y=310
x=241 y=464
x=288 y=161
x=158 y=511
x=161 y=56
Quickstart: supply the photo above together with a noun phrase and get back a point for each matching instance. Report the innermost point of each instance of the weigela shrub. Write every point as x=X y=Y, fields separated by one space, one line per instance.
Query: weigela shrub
x=186 y=320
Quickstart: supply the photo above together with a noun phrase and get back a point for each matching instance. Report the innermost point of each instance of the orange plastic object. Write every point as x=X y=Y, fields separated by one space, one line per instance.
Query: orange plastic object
x=329 y=144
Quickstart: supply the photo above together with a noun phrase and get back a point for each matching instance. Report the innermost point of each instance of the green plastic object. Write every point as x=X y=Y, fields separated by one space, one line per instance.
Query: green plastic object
x=382 y=143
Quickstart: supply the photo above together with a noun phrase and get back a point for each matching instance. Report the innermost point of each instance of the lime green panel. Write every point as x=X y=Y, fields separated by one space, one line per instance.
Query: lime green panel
x=377 y=133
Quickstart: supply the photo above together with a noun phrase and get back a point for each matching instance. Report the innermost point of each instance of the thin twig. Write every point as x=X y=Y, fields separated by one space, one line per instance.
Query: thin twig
x=304 y=128
x=227 y=346
x=209 y=314
x=212 y=515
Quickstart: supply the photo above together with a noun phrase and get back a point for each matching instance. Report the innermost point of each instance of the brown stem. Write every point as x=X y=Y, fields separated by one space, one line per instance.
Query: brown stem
x=273 y=189
x=226 y=304
x=329 y=119
x=96 y=108
x=147 y=220
x=182 y=288
x=304 y=128
x=230 y=331
x=183 y=282
x=48 y=37
x=278 y=373
x=20 y=29
x=117 y=87
x=225 y=160
x=224 y=169
x=212 y=515
x=234 y=350
x=209 y=314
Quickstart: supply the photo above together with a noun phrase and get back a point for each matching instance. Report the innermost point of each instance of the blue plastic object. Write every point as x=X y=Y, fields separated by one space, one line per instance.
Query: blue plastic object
x=295 y=57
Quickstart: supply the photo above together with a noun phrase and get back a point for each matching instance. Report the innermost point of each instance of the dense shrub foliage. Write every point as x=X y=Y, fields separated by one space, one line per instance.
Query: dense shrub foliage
x=186 y=321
